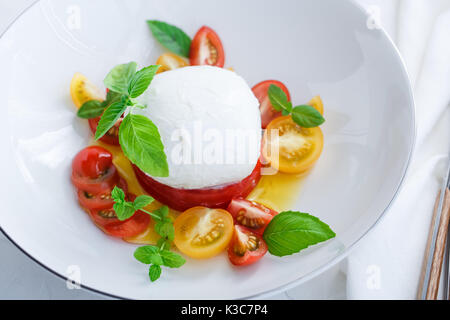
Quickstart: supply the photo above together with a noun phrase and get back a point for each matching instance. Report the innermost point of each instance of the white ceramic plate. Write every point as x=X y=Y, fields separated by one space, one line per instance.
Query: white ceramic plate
x=321 y=47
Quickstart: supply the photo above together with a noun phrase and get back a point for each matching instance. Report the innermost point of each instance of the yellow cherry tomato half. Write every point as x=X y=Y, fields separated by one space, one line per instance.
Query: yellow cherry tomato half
x=298 y=147
x=82 y=90
x=202 y=232
x=317 y=104
x=169 y=61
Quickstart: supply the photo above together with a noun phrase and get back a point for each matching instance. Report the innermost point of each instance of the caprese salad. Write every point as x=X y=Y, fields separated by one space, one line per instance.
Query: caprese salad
x=145 y=178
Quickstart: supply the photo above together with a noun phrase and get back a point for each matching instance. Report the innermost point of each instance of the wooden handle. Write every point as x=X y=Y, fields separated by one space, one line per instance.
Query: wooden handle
x=438 y=255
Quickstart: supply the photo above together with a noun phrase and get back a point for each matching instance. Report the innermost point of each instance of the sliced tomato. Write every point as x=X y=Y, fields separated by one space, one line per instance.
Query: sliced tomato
x=101 y=201
x=92 y=162
x=106 y=219
x=246 y=247
x=83 y=90
x=206 y=48
x=202 y=232
x=316 y=103
x=251 y=214
x=111 y=136
x=214 y=197
x=131 y=227
x=268 y=113
x=170 y=61
x=298 y=148
x=93 y=170
x=103 y=217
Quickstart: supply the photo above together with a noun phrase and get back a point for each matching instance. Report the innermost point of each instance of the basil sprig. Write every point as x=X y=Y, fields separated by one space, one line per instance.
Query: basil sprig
x=304 y=115
x=290 y=232
x=138 y=136
x=171 y=37
x=155 y=256
x=130 y=84
x=125 y=209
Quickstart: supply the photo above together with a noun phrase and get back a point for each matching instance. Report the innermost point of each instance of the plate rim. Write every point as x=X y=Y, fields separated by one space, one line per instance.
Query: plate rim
x=325 y=266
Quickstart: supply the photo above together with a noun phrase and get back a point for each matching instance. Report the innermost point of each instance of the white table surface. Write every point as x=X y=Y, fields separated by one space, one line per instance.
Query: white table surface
x=22 y=278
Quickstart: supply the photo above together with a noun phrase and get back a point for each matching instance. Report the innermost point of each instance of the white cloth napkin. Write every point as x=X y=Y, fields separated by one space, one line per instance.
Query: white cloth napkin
x=388 y=262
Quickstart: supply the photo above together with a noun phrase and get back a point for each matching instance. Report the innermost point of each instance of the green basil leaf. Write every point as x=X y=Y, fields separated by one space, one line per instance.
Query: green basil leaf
x=278 y=99
x=140 y=106
x=141 y=143
x=165 y=229
x=290 y=231
x=142 y=201
x=118 y=195
x=172 y=259
x=141 y=80
x=91 y=109
x=124 y=210
x=119 y=78
x=156 y=259
x=162 y=212
x=166 y=242
x=145 y=254
x=111 y=97
x=110 y=117
x=171 y=37
x=307 y=117
x=154 y=272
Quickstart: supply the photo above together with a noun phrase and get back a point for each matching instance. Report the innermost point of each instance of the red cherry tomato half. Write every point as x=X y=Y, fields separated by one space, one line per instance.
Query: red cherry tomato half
x=107 y=221
x=103 y=217
x=183 y=199
x=206 y=48
x=93 y=170
x=268 y=113
x=246 y=247
x=101 y=201
x=110 y=137
x=251 y=214
x=131 y=227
